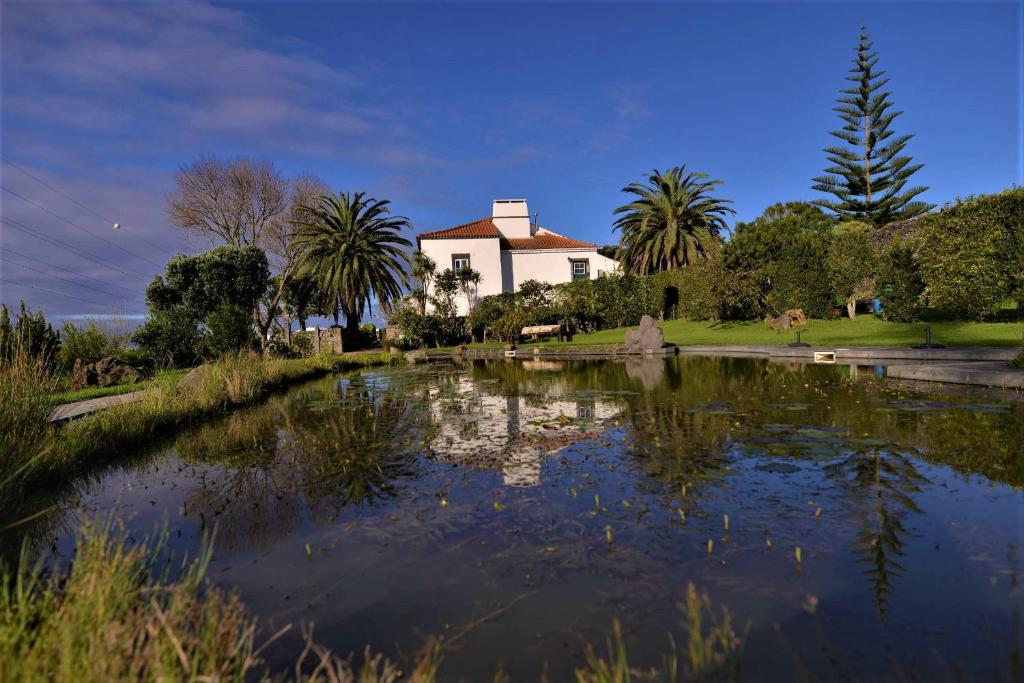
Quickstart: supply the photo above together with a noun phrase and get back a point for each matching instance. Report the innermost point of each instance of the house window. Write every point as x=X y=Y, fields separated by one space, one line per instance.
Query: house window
x=460 y=261
x=580 y=269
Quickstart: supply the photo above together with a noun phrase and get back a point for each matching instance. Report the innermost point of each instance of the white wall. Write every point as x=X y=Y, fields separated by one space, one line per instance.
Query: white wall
x=554 y=266
x=484 y=257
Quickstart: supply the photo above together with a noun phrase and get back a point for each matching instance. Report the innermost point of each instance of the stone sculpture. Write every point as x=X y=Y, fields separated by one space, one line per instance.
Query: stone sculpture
x=648 y=338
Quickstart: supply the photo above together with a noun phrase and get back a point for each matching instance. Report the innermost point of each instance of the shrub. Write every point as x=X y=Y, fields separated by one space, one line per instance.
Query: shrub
x=88 y=344
x=707 y=290
x=850 y=262
x=171 y=338
x=302 y=345
x=30 y=334
x=229 y=330
x=972 y=255
x=900 y=285
x=785 y=249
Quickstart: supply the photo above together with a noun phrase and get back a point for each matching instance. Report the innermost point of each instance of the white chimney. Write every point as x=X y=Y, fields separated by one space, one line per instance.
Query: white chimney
x=511 y=217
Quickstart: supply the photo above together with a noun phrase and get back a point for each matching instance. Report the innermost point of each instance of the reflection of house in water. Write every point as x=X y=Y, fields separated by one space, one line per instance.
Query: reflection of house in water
x=515 y=433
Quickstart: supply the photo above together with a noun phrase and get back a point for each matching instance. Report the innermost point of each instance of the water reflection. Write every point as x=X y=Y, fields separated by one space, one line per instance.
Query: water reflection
x=432 y=494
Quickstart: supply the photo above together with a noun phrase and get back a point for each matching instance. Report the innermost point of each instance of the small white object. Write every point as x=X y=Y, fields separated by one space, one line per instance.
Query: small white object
x=824 y=357
x=117 y=226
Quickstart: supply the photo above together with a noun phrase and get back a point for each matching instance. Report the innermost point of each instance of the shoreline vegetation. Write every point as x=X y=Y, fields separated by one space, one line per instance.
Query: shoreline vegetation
x=121 y=610
x=36 y=451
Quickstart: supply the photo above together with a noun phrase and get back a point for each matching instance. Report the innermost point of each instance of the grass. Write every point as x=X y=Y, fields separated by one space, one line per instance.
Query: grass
x=864 y=330
x=34 y=451
x=123 y=612
x=99 y=392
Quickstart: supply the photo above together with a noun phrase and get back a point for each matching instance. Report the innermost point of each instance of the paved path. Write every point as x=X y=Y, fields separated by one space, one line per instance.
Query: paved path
x=991 y=374
x=69 y=411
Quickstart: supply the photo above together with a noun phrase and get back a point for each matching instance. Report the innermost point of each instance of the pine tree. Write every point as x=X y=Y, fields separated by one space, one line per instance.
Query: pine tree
x=868 y=177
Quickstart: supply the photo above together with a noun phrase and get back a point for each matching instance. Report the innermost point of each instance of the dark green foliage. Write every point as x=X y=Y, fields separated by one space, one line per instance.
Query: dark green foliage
x=707 y=290
x=899 y=284
x=673 y=221
x=488 y=311
x=197 y=307
x=785 y=249
x=172 y=337
x=30 y=332
x=868 y=176
x=88 y=344
x=609 y=250
x=972 y=255
x=229 y=329
x=449 y=327
x=850 y=262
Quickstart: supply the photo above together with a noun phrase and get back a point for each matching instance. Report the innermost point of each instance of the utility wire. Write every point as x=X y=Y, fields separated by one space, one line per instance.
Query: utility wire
x=76 y=202
x=76 y=225
x=68 y=247
x=5 y=258
x=69 y=272
x=54 y=291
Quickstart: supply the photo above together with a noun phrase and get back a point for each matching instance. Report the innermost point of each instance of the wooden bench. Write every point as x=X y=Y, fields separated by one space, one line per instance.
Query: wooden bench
x=537 y=331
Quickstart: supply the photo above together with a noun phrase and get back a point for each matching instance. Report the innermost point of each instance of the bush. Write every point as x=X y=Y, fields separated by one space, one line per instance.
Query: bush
x=900 y=285
x=88 y=344
x=707 y=290
x=228 y=330
x=171 y=338
x=972 y=255
x=30 y=334
x=368 y=335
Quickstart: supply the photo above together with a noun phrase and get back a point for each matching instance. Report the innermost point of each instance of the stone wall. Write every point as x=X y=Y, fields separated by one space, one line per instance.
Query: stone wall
x=326 y=341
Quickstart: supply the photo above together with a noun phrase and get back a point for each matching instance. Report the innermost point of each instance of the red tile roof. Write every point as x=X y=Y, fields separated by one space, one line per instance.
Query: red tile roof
x=485 y=228
x=481 y=228
x=545 y=241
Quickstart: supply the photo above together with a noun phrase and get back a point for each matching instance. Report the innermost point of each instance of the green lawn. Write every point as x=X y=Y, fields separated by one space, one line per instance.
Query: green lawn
x=865 y=330
x=97 y=392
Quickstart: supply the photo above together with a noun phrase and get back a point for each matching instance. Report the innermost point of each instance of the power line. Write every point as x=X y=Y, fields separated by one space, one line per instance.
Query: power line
x=76 y=225
x=69 y=272
x=54 y=291
x=68 y=247
x=5 y=258
x=76 y=202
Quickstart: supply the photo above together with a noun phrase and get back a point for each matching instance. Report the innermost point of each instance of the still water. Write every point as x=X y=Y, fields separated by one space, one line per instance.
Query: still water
x=525 y=505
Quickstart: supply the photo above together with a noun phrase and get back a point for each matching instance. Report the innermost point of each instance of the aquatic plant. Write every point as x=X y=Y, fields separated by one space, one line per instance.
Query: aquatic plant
x=711 y=652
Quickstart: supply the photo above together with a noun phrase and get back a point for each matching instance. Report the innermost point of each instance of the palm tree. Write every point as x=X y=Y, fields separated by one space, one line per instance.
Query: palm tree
x=673 y=221
x=352 y=249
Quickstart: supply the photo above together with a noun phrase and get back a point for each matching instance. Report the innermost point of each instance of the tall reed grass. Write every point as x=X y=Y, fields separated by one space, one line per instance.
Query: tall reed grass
x=33 y=449
x=122 y=612
x=25 y=382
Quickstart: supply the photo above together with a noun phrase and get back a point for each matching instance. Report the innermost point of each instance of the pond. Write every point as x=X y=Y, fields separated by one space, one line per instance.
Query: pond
x=519 y=507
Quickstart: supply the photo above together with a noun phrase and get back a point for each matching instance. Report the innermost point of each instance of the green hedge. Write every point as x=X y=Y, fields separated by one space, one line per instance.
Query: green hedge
x=972 y=255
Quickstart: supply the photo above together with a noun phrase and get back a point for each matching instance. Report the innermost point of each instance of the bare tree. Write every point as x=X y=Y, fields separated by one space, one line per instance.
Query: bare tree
x=232 y=201
x=241 y=202
x=278 y=241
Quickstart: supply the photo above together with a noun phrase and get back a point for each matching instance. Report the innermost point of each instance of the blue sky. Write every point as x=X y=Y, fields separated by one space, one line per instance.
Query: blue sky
x=443 y=106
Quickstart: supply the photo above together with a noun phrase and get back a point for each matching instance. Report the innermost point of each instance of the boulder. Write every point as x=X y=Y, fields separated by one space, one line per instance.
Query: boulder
x=648 y=338
x=103 y=373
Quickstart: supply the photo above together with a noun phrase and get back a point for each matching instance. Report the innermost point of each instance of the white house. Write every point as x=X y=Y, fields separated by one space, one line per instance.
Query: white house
x=508 y=248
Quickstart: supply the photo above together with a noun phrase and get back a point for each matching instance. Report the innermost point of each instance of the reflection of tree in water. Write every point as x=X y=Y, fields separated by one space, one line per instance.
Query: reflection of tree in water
x=880 y=484
x=291 y=458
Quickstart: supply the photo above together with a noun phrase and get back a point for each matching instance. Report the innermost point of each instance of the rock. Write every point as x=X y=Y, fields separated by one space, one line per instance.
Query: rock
x=794 y=317
x=648 y=338
x=417 y=356
x=103 y=373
